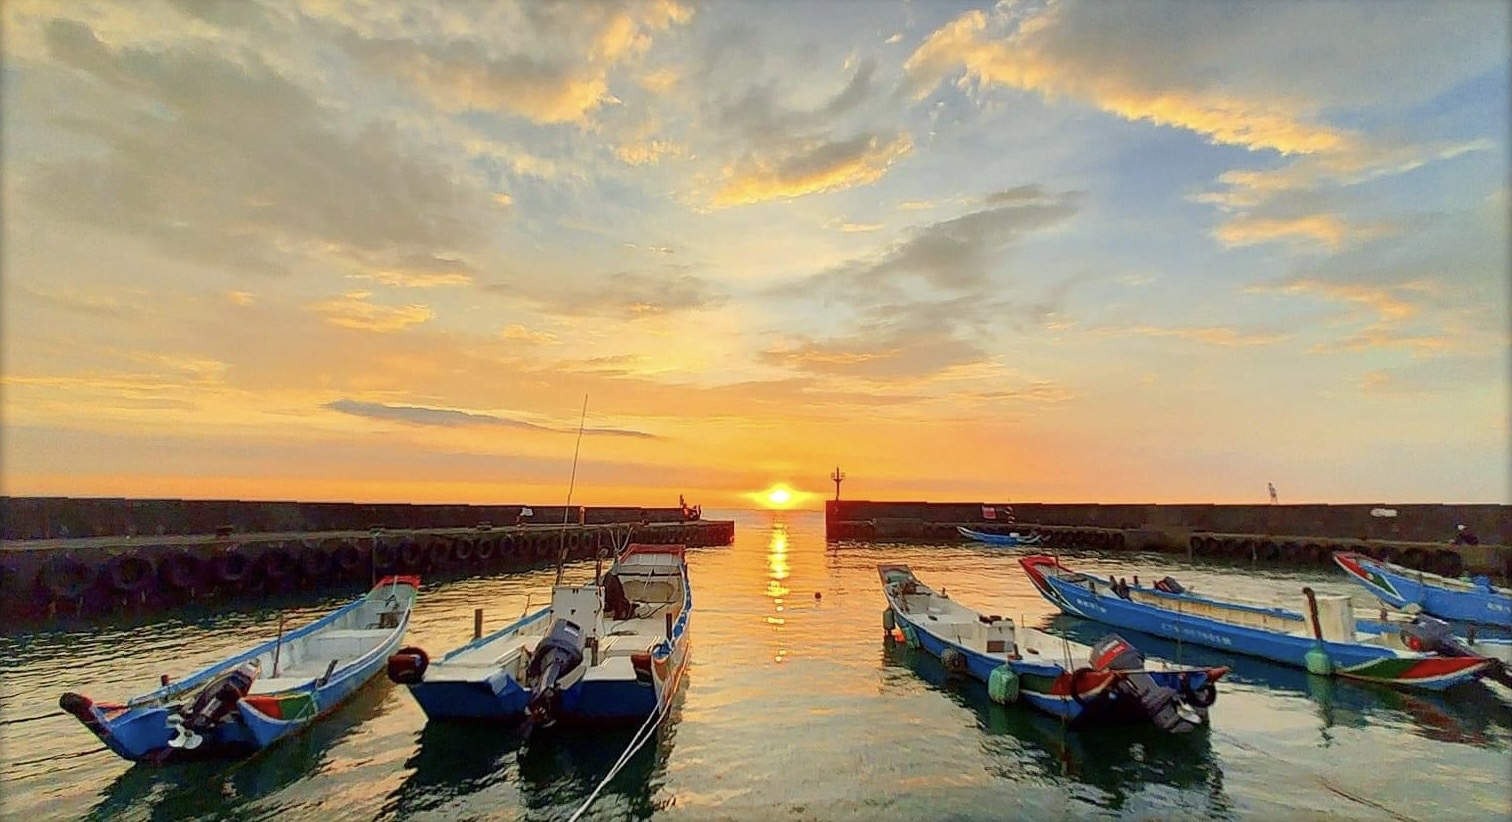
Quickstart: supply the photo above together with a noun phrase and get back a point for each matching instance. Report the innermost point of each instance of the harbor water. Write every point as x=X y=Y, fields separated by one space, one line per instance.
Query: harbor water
x=794 y=707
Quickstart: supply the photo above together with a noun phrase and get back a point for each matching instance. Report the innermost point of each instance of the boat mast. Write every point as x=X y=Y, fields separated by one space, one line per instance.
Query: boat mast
x=566 y=509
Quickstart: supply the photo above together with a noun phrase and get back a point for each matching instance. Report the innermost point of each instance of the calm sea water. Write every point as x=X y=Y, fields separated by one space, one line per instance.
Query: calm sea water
x=795 y=707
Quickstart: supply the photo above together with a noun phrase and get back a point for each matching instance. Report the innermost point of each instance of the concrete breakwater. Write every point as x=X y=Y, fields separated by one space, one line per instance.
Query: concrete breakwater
x=1417 y=536
x=42 y=579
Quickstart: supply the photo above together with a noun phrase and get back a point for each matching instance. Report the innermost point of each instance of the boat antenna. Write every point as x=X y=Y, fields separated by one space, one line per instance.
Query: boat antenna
x=566 y=509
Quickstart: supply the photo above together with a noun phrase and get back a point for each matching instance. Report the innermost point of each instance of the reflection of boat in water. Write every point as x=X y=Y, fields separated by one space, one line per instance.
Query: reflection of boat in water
x=1118 y=760
x=217 y=789
x=1471 y=715
x=459 y=765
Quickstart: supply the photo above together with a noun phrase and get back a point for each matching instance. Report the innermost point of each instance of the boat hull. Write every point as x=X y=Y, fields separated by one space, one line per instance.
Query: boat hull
x=1007 y=540
x=1353 y=660
x=1401 y=588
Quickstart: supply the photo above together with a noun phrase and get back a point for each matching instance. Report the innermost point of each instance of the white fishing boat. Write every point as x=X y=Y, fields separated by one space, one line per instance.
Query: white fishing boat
x=613 y=649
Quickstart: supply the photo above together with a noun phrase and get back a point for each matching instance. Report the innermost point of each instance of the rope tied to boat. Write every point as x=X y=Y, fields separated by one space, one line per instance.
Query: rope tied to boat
x=638 y=741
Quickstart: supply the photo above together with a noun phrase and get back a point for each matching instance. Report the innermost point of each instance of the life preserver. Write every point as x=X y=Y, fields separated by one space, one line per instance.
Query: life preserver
x=232 y=566
x=411 y=554
x=181 y=570
x=438 y=552
x=462 y=550
x=130 y=573
x=66 y=577
x=348 y=557
x=277 y=565
x=408 y=665
x=485 y=549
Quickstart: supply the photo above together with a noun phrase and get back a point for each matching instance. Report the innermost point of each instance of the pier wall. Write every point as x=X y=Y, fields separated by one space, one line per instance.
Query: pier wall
x=1417 y=536
x=52 y=517
x=136 y=556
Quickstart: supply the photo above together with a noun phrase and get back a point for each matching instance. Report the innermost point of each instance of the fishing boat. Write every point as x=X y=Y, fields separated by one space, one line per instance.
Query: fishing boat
x=1417 y=591
x=1323 y=637
x=1113 y=685
x=1012 y=538
x=606 y=651
x=257 y=697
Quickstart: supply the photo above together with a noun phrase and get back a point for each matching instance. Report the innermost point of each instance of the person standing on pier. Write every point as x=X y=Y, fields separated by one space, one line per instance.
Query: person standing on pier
x=1271 y=487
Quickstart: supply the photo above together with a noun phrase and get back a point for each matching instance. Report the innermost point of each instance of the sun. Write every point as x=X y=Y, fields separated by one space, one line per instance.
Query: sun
x=779 y=496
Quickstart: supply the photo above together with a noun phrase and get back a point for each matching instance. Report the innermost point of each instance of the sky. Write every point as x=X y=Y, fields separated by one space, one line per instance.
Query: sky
x=1031 y=251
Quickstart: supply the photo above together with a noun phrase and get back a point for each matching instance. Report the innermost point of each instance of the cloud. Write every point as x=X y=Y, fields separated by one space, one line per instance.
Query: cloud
x=352 y=310
x=449 y=417
x=520 y=333
x=813 y=168
x=860 y=228
x=1224 y=336
x=649 y=152
x=909 y=352
x=956 y=254
x=1322 y=229
x=422 y=271
x=553 y=69
x=627 y=294
x=923 y=304
x=1041 y=55
x=225 y=160
x=1257 y=76
x=241 y=297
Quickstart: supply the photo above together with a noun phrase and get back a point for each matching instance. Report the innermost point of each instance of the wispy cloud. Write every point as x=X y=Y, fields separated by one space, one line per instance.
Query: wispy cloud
x=814 y=168
x=450 y=417
x=352 y=310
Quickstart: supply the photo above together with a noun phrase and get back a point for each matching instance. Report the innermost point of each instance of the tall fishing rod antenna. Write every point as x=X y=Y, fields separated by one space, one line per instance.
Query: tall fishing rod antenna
x=562 y=548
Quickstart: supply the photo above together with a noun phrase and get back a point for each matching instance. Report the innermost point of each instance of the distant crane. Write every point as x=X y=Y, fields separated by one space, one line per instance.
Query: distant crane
x=838 y=476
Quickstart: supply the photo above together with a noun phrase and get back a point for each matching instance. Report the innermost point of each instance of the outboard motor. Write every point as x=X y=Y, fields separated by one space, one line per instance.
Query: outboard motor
x=556 y=666
x=214 y=702
x=1435 y=636
x=1164 y=706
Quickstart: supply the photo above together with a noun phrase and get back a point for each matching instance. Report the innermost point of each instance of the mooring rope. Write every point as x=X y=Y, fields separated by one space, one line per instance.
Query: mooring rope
x=638 y=741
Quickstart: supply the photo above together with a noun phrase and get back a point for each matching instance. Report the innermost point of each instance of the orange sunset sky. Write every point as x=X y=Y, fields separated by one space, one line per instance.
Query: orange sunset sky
x=1058 y=251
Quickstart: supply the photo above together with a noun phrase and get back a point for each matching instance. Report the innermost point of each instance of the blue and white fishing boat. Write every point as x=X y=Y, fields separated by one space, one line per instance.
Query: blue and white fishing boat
x=611 y=650
x=259 y=696
x=1105 y=684
x=1323 y=638
x=1417 y=591
x=1012 y=538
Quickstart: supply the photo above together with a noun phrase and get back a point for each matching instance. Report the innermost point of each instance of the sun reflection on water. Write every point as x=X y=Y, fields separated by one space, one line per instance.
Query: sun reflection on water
x=777 y=568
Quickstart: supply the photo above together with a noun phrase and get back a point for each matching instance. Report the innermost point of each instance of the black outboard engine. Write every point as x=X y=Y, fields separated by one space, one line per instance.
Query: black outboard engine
x=1435 y=636
x=213 y=703
x=556 y=659
x=1164 y=706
